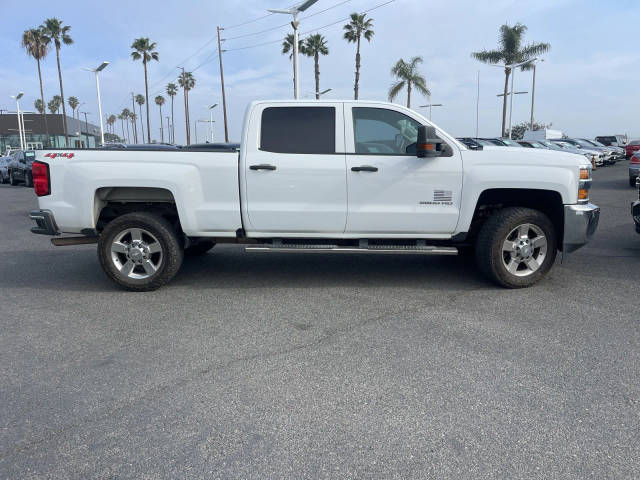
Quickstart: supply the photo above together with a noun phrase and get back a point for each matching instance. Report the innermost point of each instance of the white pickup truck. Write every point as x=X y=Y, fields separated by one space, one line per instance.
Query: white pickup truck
x=319 y=176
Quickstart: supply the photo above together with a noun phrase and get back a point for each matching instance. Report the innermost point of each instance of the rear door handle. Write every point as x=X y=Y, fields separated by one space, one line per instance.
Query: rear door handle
x=263 y=166
x=364 y=168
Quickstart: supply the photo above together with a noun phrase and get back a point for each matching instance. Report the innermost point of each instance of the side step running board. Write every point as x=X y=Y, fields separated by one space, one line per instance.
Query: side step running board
x=67 y=241
x=423 y=249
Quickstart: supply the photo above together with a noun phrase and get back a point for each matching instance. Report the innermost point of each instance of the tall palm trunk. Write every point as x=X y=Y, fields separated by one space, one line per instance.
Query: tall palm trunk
x=507 y=71
x=408 y=94
x=316 y=61
x=142 y=122
x=355 y=87
x=146 y=95
x=172 y=138
x=44 y=105
x=161 y=126
x=186 y=114
x=64 y=110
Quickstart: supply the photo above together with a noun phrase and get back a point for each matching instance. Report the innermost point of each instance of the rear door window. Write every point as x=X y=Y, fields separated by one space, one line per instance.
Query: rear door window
x=309 y=130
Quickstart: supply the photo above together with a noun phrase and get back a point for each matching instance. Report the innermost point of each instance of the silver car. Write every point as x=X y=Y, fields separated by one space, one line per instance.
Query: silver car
x=4 y=169
x=595 y=156
x=617 y=153
x=634 y=168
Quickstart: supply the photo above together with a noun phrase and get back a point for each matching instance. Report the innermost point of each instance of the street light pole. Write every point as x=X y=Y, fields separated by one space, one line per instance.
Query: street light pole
x=533 y=91
x=295 y=11
x=430 y=105
x=86 y=127
x=96 y=71
x=20 y=124
x=211 y=120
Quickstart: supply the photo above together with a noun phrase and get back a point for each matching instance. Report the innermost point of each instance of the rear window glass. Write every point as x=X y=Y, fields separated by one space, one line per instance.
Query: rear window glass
x=29 y=154
x=298 y=130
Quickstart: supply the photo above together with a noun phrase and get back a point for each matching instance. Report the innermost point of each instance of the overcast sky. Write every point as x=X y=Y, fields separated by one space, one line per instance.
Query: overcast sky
x=587 y=86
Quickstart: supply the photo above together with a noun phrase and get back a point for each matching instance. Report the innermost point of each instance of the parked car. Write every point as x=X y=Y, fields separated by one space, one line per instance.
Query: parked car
x=4 y=169
x=612 y=140
x=632 y=147
x=634 y=168
x=534 y=144
x=607 y=154
x=596 y=155
x=20 y=167
x=475 y=143
x=320 y=176
x=549 y=145
x=616 y=153
x=635 y=208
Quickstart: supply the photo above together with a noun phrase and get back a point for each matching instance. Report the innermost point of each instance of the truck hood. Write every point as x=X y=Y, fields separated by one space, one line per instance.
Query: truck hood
x=537 y=157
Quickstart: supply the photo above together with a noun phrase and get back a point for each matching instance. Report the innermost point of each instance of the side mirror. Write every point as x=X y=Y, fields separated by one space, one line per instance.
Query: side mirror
x=428 y=145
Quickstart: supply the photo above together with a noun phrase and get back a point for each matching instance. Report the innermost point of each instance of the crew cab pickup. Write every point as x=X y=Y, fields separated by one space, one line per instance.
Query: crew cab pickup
x=324 y=177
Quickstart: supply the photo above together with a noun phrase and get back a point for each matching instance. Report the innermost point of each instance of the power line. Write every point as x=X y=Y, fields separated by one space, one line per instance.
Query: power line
x=309 y=31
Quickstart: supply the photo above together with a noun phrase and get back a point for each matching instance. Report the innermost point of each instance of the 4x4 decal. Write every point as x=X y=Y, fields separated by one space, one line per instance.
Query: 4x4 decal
x=64 y=155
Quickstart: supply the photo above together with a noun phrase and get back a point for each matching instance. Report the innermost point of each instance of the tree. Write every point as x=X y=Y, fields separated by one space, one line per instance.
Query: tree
x=141 y=101
x=39 y=106
x=111 y=119
x=144 y=50
x=409 y=76
x=510 y=52
x=517 y=132
x=287 y=47
x=358 y=27
x=314 y=46
x=172 y=91
x=124 y=116
x=160 y=101
x=36 y=43
x=54 y=104
x=54 y=31
x=73 y=103
x=187 y=82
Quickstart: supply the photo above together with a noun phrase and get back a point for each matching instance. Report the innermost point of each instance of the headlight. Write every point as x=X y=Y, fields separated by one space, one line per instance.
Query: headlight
x=584 y=184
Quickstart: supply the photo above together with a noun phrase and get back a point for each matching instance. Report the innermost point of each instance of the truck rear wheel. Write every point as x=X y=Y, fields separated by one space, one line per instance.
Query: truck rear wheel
x=516 y=247
x=140 y=251
x=28 y=180
x=12 y=179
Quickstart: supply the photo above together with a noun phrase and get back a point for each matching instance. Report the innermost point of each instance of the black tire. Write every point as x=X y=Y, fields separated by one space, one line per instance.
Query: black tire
x=28 y=180
x=12 y=180
x=632 y=182
x=172 y=253
x=199 y=248
x=496 y=230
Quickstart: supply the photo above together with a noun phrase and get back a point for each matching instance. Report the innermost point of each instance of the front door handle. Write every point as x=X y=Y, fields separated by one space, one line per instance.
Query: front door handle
x=263 y=166
x=364 y=168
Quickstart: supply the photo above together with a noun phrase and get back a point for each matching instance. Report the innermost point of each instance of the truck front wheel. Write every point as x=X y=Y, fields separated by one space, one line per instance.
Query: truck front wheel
x=140 y=251
x=516 y=247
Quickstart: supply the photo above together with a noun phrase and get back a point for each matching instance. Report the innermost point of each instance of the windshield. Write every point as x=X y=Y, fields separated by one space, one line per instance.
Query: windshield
x=583 y=143
x=510 y=143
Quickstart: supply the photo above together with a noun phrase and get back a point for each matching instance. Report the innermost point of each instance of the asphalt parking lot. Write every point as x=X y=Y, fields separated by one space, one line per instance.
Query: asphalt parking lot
x=318 y=366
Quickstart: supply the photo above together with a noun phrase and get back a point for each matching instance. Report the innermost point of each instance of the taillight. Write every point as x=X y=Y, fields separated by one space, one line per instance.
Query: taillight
x=635 y=159
x=40 y=172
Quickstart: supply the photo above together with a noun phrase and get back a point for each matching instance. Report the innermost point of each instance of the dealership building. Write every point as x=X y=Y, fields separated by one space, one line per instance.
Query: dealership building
x=81 y=134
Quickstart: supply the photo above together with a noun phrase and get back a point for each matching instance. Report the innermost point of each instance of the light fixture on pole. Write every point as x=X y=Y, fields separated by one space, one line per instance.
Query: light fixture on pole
x=96 y=70
x=324 y=91
x=295 y=24
x=431 y=105
x=20 y=124
x=211 y=107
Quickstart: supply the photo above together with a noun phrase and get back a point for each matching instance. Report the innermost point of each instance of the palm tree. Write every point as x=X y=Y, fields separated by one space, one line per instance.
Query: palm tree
x=145 y=50
x=124 y=116
x=140 y=101
x=54 y=31
x=187 y=82
x=287 y=47
x=160 y=101
x=314 y=46
x=39 y=106
x=172 y=91
x=73 y=103
x=409 y=76
x=132 y=118
x=111 y=119
x=509 y=52
x=36 y=43
x=54 y=104
x=358 y=26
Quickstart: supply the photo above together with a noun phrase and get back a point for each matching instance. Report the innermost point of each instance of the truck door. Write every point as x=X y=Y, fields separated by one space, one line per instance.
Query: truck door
x=294 y=169
x=390 y=190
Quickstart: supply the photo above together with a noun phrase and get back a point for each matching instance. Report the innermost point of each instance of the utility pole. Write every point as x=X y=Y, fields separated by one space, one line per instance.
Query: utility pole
x=133 y=107
x=224 y=98
x=86 y=127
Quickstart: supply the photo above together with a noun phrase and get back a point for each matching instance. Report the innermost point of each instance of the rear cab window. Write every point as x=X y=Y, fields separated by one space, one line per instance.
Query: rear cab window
x=301 y=130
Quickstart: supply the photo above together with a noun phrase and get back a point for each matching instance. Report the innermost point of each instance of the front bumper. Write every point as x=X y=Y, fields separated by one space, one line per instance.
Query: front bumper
x=45 y=222
x=635 y=211
x=580 y=223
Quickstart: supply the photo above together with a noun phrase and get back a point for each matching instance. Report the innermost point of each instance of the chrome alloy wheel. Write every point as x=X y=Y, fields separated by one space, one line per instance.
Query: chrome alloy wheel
x=524 y=250
x=136 y=253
